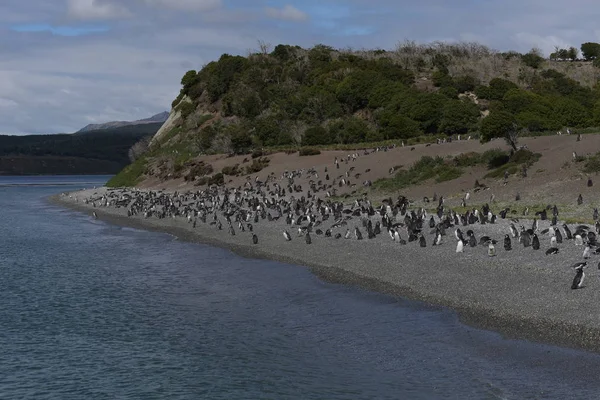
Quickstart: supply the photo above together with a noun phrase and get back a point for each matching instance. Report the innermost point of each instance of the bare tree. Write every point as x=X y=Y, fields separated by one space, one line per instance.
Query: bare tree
x=139 y=148
x=264 y=47
x=512 y=136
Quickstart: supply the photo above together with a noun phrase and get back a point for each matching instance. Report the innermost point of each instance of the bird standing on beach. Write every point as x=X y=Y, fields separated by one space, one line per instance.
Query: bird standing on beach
x=459 y=246
x=491 y=250
x=507 y=243
x=579 y=275
x=586 y=252
x=535 y=242
x=254 y=238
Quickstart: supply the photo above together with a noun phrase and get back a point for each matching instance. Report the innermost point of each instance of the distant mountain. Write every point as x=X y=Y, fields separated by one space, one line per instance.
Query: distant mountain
x=103 y=151
x=160 y=117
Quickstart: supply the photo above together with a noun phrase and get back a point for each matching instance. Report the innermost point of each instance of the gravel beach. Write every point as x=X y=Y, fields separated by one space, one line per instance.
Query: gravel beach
x=522 y=293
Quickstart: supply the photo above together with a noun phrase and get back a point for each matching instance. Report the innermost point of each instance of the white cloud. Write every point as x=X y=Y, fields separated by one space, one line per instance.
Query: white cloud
x=96 y=9
x=59 y=84
x=187 y=5
x=547 y=44
x=288 y=12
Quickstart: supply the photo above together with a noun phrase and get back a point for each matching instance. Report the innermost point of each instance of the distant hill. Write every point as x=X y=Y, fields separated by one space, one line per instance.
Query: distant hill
x=160 y=117
x=103 y=151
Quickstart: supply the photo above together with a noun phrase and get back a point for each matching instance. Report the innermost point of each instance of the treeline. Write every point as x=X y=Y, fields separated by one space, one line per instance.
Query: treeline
x=324 y=96
x=104 y=151
x=590 y=51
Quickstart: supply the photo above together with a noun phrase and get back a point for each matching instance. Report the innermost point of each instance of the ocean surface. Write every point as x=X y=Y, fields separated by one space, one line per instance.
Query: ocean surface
x=90 y=310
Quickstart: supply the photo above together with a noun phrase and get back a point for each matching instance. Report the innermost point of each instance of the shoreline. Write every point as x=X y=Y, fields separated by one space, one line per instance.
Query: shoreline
x=485 y=293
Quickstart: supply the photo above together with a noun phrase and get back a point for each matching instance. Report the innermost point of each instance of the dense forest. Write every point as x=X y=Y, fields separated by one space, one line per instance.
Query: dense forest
x=292 y=96
x=95 y=152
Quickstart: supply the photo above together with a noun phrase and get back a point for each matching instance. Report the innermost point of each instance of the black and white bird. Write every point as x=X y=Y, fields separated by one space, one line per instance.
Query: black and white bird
x=287 y=236
x=459 y=246
x=507 y=243
x=579 y=275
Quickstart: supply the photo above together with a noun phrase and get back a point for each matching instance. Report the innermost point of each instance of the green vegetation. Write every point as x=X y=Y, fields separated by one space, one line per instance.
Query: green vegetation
x=231 y=170
x=520 y=159
x=130 y=175
x=493 y=158
x=257 y=165
x=591 y=163
x=322 y=96
x=445 y=170
x=216 y=179
x=424 y=169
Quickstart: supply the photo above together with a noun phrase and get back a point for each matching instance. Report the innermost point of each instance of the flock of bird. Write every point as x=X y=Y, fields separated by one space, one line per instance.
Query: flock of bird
x=310 y=211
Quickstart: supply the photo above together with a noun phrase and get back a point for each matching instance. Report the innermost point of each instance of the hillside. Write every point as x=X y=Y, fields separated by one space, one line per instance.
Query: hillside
x=160 y=117
x=97 y=152
x=293 y=97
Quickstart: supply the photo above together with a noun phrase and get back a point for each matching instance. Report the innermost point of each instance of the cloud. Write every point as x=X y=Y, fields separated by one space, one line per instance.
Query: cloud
x=187 y=5
x=288 y=12
x=67 y=63
x=96 y=9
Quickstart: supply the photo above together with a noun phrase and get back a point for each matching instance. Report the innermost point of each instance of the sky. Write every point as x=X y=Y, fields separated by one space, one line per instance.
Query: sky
x=68 y=63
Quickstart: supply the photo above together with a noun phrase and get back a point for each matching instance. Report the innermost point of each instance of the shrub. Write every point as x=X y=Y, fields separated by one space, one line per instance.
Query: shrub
x=257 y=165
x=316 y=135
x=524 y=156
x=216 y=179
x=592 y=164
x=309 y=151
x=515 y=163
x=495 y=158
x=467 y=159
x=230 y=170
x=186 y=108
x=200 y=169
x=422 y=170
x=257 y=153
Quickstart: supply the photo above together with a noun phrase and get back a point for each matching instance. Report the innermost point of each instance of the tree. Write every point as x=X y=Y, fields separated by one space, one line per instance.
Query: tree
x=500 y=124
x=189 y=78
x=572 y=53
x=570 y=113
x=533 y=59
x=316 y=135
x=354 y=90
x=590 y=50
x=395 y=126
x=499 y=87
x=459 y=116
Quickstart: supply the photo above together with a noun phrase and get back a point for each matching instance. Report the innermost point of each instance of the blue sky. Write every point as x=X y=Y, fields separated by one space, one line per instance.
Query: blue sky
x=67 y=63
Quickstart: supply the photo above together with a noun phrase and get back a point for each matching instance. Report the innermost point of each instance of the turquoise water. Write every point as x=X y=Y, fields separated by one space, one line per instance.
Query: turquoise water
x=96 y=311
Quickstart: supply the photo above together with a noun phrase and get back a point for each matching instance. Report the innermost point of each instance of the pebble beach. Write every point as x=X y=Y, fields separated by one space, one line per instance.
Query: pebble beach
x=522 y=293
